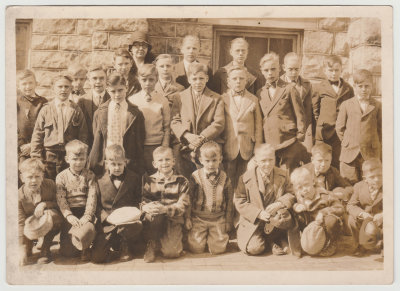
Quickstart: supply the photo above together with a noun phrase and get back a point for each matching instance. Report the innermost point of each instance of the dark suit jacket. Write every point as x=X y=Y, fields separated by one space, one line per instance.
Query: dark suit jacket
x=133 y=139
x=283 y=117
x=326 y=105
x=359 y=132
x=181 y=76
x=361 y=201
x=89 y=108
x=333 y=180
x=27 y=113
x=128 y=194
x=219 y=81
x=209 y=122
x=171 y=92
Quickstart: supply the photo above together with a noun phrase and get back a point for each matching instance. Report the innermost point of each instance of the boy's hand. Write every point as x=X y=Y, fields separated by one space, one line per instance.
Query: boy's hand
x=188 y=224
x=84 y=219
x=190 y=137
x=378 y=219
x=320 y=218
x=25 y=149
x=364 y=215
x=297 y=207
x=274 y=207
x=73 y=220
x=151 y=208
x=39 y=210
x=264 y=216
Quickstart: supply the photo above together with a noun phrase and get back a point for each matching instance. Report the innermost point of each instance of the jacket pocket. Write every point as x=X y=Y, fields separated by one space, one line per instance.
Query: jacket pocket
x=48 y=128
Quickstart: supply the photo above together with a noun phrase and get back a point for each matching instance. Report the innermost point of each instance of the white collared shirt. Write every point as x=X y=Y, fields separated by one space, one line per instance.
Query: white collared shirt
x=123 y=112
x=96 y=97
x=186 y=64
x=363 y=104
x=336 y=88
x=164 y=83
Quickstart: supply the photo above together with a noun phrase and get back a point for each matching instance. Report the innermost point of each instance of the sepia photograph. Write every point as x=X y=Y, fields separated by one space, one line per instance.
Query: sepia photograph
x=199 y=145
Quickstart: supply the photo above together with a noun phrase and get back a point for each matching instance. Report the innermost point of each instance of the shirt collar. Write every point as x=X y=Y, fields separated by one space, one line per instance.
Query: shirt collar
x=364 y=100
x=99 y=95
x=58 y=102
x=234 y=94
x=123 y=103
x=290 y=81
x=163 y=83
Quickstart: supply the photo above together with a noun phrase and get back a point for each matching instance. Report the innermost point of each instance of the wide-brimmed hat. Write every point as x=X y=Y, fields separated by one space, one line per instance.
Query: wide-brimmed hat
x=83 y=236
x=38 y=227
x=124 y=215
x=139 y=36
x=281 y=219
x=313 y=238
x=369 y=232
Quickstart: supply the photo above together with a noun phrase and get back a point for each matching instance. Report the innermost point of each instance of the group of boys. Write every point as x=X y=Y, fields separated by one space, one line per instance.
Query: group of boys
x=158 y=157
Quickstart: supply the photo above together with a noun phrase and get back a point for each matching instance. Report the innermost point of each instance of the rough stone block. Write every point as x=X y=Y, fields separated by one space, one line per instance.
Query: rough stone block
x=99 y=40
x=61 y=26
x=333 y=24
x=319 y=42
x=118 y=40
x=366 y=57
x=206 y=48
x=85 y=26
x=364 y=31
x=341 y=47
x=52 y=60
x=76 y=43
x=104 y=58
x=157 y=28
x=158 y=45
x=174 y=45
x=313 y=66
x=44 y=42
x=202 y=31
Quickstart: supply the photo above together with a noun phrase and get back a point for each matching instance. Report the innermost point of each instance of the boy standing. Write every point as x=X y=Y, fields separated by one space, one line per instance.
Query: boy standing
x=366 y=207
x=327 y=97
x=77 y=197
x=210 y=215
x=28 y=107
x=197 y=116
x=359 y=128
x=284 y=119
x=59 y=122
x=156 y=109
x=117 y=122
x=118 y=187
x=292 y=68
x=165 y=200
x=243 y=124
x=36 y=195
x=78 y=74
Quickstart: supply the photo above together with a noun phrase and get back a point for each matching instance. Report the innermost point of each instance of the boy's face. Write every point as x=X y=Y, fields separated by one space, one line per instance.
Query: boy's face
x=76 y=161
x=148 y=82
x=190 y=50
x=117 y=93
x=164 y=162
x=374 y=178
x=27 y=86
x=116 y=166
x=198 y=81
x=237 y=80
x=321 y=162
x=304 y=189
x=210 y=161
x=239 y=53
x=139 y=50
x=62 y=88
x=32 y=180
x=363 y=90
x=270 y=71
x=164 y=68
x=122 y=65
x=292 y=68
x=78 y=81
x=97 y=80
x=333 y=73
x=265 y=161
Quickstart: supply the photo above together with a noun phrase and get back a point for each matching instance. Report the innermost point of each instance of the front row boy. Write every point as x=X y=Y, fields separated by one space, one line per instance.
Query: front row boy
x=36 y=195
x=76 y=197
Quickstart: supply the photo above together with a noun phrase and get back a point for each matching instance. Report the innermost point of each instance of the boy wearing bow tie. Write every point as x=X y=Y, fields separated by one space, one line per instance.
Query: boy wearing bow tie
x=156 y=110
x=210 y=214
x=359 y=127
x=327 y=97
x=78 y=74
x=165 y=198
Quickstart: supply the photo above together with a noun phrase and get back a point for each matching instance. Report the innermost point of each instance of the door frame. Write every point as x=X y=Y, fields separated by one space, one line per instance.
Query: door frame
x=27 y=22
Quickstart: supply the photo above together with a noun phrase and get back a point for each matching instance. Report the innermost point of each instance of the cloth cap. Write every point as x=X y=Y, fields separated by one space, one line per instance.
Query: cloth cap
x=38 y=227
x=313 y=238
x=83 y=236
x=369 y=232
x=139 y=36
x=124 y=215
x=282 y=220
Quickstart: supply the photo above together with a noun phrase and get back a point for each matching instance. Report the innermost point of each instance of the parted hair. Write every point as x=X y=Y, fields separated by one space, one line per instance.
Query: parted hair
x=291 y=55
x=322 y=149
x=263 y=148
x=239 y=40
x=361 y=76
x=329 y=61
x=270 y=57
x=161 y=150
x=115 y=79
x=195 y=68
x=23 y=74
x=62 y=76
x=148 y=70
x=114 y=152
x=299 y=175
x=236 y=68
x=96 y=67
x=32 y=165
x=210 y=149
x=162 y=57
x=121 y=52
x=190 y=37
x=76 y=147
x=76 y=69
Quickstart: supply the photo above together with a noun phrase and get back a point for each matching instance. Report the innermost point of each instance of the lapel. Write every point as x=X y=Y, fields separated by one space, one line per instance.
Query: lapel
x=187 y=105
x=305 y=87
x=250 y=179
x=206 y=101
x=280 y=89
x=131 y=117
x=278 y=181
x=230 y=106
x=106 y=184
x=343 y=90
x=69 y=112
x=244 y=104
x=328 y=89
x=123 y=188
x=370 y=107
x=103 y=117
x=53 y=112
x=377 y=199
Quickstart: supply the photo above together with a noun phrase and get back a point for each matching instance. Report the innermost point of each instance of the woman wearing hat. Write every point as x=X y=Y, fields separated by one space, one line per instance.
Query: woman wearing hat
x=140 y=50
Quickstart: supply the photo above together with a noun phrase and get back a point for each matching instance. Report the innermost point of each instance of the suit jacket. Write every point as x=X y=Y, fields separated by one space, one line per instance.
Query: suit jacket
x=128 y=194
x=89 y=108
x=45 y=134
x=304 y=89
x=360 y=132
x=249 y=203
x=243 y=126
x=181 y=75
x=210 y=120
x=171 y=92
x=219 y=81
x=133 y=139
x=27 y=113
x=361 y=201
x=284 y=117
x=326 y=103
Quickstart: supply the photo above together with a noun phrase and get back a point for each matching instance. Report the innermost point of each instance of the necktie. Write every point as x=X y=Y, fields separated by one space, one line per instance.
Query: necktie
x=115 y=136
x=269 y=85
x=148 y=97
x=334 y=83
x=60 y=121
x=77 y=92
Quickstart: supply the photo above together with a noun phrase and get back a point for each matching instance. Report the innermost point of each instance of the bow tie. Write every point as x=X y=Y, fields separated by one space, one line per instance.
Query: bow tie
x=318 y=174
x=77 y=92
x=29 y=98
x=211 y=174
x=334 y=83
x=118 y=178
x=268 y=85
x=148 y=97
